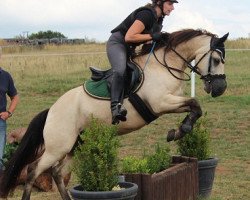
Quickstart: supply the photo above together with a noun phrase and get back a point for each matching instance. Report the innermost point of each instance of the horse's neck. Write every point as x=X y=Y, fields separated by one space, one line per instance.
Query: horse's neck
x=193 y=47
x=187 y=50
x=159 y=82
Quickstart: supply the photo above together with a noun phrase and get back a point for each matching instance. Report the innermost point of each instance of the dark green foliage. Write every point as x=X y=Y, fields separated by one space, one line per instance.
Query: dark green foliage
x=95 y=160
x=46 y=35
x=9 y=150
x=154 y=163
x=196 y=144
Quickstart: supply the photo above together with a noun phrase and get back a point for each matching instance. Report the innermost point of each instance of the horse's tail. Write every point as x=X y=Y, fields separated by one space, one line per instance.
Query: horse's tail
x=25 y=153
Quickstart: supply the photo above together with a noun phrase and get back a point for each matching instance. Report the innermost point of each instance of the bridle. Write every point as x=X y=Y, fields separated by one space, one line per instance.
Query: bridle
x=194 y=68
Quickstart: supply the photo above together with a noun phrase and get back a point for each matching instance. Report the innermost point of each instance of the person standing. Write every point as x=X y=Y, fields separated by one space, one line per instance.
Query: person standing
x=141 y=26
x=7 y=88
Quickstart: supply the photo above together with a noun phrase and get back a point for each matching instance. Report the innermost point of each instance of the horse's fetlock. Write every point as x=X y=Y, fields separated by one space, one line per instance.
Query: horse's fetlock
x=186 y=128
x=199 y=113
x=193 y=102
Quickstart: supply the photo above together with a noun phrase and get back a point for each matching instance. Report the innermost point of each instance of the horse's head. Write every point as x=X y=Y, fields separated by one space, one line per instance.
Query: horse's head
x=210 y=65
x=206 y=48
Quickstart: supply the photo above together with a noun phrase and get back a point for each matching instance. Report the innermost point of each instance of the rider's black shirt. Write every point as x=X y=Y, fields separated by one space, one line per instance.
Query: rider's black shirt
x=147 y=15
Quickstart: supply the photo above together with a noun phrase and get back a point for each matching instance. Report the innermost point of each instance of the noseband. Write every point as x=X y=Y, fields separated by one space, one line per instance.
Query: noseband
x=194 y=68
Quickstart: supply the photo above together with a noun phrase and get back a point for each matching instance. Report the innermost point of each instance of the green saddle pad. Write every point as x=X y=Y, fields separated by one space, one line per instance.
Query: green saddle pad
x=97 y=89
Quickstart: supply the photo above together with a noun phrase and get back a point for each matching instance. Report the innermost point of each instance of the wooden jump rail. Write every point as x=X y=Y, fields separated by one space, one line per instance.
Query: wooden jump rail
x=179 y=182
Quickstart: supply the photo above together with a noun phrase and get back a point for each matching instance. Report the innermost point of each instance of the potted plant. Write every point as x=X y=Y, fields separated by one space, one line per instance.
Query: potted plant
x=149 y=163
x=160 y=176
x=197 y=144
x=96 y=165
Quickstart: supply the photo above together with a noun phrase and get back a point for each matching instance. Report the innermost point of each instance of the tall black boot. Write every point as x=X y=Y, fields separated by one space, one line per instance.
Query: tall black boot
x=117 y=91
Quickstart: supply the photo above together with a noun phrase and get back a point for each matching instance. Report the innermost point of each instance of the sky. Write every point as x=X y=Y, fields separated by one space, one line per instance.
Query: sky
x=95 y=19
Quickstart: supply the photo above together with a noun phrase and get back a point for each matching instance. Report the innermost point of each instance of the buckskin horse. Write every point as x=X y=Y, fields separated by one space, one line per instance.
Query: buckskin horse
x=56 y=129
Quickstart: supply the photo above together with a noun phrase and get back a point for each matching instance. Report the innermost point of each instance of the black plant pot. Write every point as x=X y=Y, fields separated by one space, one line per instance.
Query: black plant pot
x=128 y=193
x=206 y=176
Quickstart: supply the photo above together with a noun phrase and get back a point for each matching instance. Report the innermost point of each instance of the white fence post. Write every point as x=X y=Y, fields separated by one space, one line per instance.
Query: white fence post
x=193 y=81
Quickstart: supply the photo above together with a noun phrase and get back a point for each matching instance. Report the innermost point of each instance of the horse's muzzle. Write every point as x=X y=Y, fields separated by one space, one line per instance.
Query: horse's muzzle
x=215 y=84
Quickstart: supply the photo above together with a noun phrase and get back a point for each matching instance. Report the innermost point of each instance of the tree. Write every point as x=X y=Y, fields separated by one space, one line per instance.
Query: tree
x=46 y=35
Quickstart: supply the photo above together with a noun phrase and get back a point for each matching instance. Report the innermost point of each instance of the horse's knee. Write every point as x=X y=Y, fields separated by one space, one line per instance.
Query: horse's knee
x=194 y=105
x=195 y=109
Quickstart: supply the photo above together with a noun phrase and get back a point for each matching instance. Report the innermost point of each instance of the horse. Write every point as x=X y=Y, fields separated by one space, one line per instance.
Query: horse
x=56 y=129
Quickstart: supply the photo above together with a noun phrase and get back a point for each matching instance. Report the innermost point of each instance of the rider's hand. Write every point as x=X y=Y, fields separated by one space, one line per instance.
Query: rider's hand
x=156 y=37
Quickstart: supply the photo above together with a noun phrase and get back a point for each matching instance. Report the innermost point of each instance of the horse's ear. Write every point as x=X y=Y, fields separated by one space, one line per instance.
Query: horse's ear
x=224 y=38
x=219 y=42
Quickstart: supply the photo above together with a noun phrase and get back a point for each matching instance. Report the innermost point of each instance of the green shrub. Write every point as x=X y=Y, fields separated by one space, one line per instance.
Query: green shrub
x=95 y=160
x=160 y=160
x=196 y=143
x=131 y=164
x=8 y=151
x=154 y=163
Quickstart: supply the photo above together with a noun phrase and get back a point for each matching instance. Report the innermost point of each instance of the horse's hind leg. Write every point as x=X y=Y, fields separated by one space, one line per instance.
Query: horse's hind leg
x=187 y=124
x=36 y=168
x=58 y=176
x=30 y=180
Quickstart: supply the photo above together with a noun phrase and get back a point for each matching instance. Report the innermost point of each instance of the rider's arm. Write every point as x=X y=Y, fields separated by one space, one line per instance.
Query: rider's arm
x=134 y=33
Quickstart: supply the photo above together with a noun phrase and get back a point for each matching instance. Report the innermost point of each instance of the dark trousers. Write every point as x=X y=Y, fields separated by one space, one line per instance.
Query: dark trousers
x=117 y=55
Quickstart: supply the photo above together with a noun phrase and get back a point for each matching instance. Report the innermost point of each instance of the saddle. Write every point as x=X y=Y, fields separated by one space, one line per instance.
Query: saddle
x=99 y=84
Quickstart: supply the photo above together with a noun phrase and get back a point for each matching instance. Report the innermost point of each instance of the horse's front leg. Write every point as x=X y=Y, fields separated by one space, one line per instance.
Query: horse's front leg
x=187 y=124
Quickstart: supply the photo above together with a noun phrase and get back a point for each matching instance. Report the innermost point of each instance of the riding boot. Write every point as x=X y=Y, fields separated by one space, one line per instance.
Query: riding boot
x=117 y=91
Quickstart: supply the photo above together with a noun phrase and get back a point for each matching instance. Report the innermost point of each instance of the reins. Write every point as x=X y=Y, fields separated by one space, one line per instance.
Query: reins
x=189 y=65
x=170 y=69
x=151 y=51
x=194 y=68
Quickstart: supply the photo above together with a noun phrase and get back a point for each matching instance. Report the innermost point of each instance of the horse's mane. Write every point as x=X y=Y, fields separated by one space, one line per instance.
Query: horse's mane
x=171 y=40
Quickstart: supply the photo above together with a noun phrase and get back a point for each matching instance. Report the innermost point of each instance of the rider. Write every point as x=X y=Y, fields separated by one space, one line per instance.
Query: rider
x=142 y=25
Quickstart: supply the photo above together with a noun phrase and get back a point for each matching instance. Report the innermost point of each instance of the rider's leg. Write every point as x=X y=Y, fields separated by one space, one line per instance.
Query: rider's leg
x=117 y=54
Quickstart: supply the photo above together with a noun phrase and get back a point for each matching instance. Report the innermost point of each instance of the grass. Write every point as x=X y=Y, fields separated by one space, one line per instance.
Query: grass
x=42 y=77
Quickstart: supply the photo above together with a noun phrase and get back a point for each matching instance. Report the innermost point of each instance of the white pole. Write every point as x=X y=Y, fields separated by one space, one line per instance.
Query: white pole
x=193 y=81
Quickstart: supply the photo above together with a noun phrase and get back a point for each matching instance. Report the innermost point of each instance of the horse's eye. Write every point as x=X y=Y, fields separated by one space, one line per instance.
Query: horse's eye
x=216 y=61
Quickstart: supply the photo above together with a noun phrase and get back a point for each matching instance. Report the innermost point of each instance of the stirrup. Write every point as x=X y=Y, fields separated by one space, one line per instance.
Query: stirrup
x=119 y=114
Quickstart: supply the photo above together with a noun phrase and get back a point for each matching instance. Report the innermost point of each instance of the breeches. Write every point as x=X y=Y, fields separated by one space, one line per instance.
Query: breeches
x=117 y=55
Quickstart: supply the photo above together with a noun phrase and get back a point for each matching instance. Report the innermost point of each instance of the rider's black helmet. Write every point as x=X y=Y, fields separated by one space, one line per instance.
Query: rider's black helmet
x=162 y=1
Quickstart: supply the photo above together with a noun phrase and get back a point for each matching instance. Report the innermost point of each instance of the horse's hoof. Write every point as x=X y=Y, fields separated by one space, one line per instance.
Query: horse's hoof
x=171 y=135
x=179 y=134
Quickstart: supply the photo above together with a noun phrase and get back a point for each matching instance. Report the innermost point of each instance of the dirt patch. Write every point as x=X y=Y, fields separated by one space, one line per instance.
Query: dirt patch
x=222 y=170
